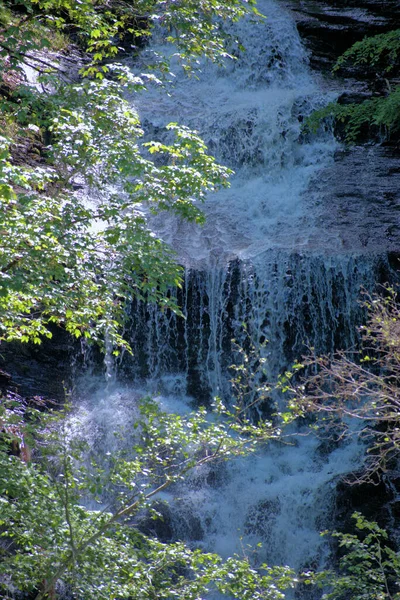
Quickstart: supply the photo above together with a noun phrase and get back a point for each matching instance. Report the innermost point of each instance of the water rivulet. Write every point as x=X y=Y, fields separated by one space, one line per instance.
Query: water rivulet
x=266 y=267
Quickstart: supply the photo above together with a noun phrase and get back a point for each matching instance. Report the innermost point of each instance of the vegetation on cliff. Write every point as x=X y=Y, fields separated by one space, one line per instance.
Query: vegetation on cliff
x=378 y=116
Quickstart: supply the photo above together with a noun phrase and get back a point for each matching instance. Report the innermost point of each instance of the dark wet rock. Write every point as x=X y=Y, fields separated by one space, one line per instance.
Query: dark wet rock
x=158 y=526
x=395 y=510
x=328 y=444
x=329 y=27
x=5 y=380
x=216 y=474
x=193 y=530
x=371 y=499
x=354 y=97
x=360 y=199
x=39 y=370
x=170 y=523
x=260 y=518
x=186 y=523
x=395 y=483
x=377 y=500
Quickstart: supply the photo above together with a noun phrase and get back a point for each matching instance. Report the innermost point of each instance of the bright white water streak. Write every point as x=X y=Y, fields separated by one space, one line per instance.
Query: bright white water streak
x=294 y=301
x=249 y=115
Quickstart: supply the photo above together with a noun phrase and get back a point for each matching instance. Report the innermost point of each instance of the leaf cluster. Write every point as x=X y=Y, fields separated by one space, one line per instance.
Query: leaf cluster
x=196 y=29
x=378 y=115
x=49 y=536
x=380 y=52
x=369 y=568
x=66 y=259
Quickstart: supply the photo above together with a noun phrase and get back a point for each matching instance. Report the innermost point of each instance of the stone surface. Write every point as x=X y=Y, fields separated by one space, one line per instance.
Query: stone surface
x=329 y=27
x=377 y=500
x=360 y=198
x=39 y=370
x=359 y=194
x=371 y=499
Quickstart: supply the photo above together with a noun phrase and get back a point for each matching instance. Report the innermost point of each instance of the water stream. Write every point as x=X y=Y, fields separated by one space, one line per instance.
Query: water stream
x=250 y=115
x=262 y=259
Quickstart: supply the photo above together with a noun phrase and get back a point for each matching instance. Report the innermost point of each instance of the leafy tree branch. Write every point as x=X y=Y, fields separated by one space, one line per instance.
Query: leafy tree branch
x=75 y=263
x=55 y=538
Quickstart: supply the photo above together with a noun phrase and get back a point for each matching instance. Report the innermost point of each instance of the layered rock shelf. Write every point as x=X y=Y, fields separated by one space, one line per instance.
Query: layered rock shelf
x=328 y=28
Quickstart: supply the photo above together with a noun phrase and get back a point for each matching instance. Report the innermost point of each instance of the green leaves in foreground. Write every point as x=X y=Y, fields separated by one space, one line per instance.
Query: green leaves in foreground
x=75 y=260
x=196 y=29
x=380 y=51
x=369 y=568
x=49 y=536
x=76 y=240
x=381 y=114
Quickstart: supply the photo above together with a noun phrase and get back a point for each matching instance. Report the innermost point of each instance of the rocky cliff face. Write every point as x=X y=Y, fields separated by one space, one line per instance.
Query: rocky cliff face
x=43 y=370
x=364 y=181
x=361 y=189
x=329 y=27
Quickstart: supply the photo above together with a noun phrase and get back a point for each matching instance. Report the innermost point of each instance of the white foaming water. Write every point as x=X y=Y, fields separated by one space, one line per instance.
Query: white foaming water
x=292 y=301
x=282 y=497
x=249 y=114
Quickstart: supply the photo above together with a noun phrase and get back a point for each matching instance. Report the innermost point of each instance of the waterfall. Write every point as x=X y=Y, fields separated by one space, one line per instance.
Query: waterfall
x=263 y=257
x=250 y=115
x=283 y=300
x=263 y=268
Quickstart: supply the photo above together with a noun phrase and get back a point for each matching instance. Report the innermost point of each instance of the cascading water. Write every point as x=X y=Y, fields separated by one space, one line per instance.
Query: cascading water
x=288 y=300
x=249 y=114
x=262 y=259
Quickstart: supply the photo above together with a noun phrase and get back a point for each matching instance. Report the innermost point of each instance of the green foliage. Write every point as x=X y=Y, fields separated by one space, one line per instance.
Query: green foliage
x=369 y=568
x=48 y=536
x=379 y=114
x=70 y=261
x=196 y=29
x=381 y=51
